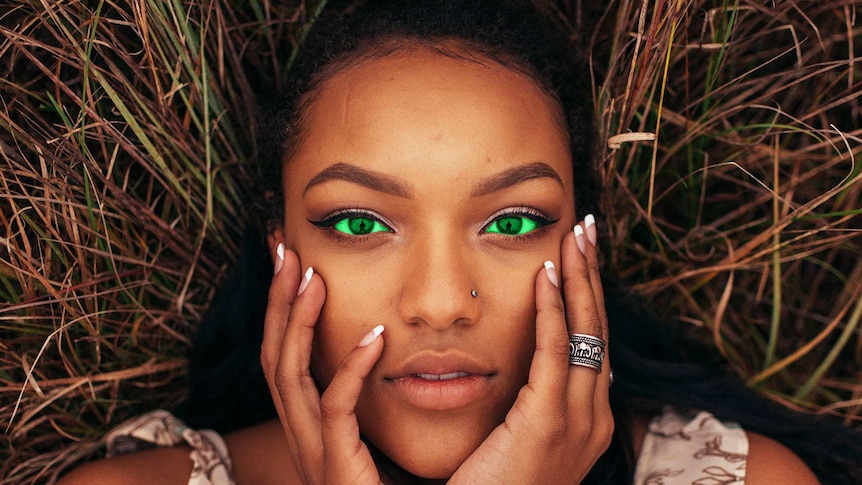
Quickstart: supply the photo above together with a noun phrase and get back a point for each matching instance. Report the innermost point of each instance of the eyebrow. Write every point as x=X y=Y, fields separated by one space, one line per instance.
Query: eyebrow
x=390 y=185
x=514 y=176
x=366 y=178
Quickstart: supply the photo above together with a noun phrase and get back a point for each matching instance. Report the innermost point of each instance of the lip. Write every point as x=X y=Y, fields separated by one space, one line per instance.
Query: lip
x=441 y=380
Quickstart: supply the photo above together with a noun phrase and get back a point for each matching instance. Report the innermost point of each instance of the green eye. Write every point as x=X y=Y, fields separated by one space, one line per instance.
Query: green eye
x=358 y=226
x=513 y=225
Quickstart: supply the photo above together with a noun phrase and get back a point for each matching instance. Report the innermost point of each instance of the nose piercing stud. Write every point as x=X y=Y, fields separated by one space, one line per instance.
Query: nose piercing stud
x=474 y=294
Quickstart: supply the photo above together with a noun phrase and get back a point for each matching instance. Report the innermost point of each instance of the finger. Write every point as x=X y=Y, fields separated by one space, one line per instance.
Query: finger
x=548 y=371
x=602 y=398
x=295 y=363
x=595 y=277
x=582 y=317
x=281 y=298
x=344 y=454
x=582 y=314
x=294 y=382
x=282 y=292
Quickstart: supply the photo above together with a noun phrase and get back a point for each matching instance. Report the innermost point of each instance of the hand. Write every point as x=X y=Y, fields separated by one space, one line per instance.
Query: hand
x=321 y=431
x=561 y=421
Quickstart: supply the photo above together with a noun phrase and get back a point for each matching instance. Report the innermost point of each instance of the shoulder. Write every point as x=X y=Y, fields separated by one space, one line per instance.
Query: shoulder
x=259 y=455
x=687 y=445
x=172 y=463
x=771 y=462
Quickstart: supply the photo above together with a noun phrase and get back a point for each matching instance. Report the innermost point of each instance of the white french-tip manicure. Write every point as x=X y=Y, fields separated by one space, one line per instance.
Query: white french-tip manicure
x=579 y=239
x=279 y=260
x=305 y=280
x=592 y=234
x=372 y=336
x=552 y=273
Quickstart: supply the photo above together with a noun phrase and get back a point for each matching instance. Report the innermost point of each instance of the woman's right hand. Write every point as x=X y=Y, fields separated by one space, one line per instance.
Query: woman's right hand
x=322 y=431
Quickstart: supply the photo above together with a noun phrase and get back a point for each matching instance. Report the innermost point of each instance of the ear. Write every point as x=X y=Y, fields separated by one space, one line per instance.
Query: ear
x=275 y=237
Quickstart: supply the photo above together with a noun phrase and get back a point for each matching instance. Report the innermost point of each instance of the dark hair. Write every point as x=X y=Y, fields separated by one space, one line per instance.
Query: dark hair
x=513 y=34
x=227 y=386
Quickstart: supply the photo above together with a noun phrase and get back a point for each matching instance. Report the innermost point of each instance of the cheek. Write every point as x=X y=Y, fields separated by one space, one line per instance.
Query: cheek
x=352 y=308
x=509 y=316
x=509 y=286
x=515 y=321
x=339 y=327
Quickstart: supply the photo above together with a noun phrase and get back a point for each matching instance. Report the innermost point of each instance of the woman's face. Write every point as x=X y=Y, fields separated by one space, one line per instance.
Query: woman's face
x=419 y=179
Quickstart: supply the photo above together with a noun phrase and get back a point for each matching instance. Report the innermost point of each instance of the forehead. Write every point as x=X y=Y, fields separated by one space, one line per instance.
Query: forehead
x=420 y=107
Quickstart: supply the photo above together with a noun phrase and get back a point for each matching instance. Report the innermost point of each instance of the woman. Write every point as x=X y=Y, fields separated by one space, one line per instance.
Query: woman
x=433 y=285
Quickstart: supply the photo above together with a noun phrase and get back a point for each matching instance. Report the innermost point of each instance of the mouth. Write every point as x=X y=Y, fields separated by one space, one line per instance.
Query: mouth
x=441 y=381
x=441 y=377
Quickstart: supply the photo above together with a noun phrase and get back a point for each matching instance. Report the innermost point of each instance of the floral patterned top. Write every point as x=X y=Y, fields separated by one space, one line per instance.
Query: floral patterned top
x=679 y=449
x=211 y=464
x=692 y=449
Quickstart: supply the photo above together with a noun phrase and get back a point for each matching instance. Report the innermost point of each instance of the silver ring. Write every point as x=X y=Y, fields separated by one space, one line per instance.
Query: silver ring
x=586 y=351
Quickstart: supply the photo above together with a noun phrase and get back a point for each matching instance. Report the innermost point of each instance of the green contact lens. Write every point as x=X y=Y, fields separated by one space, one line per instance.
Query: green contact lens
x=513 y=225
x=357 y=226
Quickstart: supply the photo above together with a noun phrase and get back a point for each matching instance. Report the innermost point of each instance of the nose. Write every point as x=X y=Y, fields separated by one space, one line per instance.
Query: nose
x=437 y=282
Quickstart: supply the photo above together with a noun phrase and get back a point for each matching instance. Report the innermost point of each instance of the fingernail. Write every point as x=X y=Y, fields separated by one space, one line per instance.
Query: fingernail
x=579 y=238
x=552 y=273
x=592 y=234
x=372 y=336
x=305 y=280
x=279 y=261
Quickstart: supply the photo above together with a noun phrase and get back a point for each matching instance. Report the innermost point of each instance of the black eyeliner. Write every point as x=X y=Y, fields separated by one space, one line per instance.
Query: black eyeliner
x=330 y=220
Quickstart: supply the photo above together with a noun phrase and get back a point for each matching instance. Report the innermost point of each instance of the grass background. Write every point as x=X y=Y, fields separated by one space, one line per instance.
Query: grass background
x=728 y=139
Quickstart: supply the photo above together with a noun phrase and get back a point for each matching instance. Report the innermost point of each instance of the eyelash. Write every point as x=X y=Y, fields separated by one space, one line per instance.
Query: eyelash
x=528 y=212
x=329 y=222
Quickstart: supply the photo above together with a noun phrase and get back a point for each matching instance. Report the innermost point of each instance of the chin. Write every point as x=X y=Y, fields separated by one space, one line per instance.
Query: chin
x=433 y=457
x=433 y=445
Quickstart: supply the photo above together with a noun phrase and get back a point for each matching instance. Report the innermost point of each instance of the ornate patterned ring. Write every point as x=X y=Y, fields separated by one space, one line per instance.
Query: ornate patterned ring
x=586 y=351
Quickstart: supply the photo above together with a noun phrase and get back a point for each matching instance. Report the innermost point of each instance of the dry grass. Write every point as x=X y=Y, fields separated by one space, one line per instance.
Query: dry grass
x=126 y=128
x=126 y=137
x=743 y=219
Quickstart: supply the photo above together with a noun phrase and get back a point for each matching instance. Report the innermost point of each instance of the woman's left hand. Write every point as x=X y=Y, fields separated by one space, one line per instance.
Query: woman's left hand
x=561 y=422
